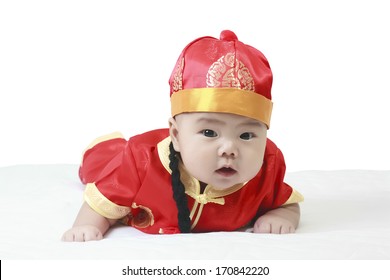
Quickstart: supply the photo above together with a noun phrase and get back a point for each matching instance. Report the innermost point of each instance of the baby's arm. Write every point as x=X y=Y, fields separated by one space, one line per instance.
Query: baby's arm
x=89 y=225
x=284 y=219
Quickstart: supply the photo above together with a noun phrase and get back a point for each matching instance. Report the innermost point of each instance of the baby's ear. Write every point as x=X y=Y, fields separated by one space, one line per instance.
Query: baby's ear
x=174 y=132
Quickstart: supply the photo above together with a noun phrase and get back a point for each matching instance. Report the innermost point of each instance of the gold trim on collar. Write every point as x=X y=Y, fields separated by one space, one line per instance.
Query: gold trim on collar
x=163 y=153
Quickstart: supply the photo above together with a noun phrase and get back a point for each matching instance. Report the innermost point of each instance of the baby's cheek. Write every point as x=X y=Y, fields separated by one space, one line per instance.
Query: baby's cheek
x=255 y=166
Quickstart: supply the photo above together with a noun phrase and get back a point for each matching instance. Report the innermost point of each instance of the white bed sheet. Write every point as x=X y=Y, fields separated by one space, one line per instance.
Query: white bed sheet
x=346 y=215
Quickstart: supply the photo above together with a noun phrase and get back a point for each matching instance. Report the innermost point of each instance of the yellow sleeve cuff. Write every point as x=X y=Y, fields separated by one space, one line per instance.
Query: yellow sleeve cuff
x=98 y=202
x=295 y=197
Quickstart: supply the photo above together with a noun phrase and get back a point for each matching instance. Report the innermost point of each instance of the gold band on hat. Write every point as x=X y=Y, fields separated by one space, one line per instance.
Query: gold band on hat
x=222 y=100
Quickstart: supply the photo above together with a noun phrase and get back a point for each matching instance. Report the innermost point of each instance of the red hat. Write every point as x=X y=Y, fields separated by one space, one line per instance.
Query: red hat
x=224 y=76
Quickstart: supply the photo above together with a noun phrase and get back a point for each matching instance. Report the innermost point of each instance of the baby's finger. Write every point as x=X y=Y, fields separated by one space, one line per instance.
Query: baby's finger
x=94 y=235
x=262 y=228
x=287 y=229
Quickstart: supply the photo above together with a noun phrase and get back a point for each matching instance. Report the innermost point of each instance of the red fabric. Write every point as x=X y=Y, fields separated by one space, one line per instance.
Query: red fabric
x=128 y=172
x=204 y=52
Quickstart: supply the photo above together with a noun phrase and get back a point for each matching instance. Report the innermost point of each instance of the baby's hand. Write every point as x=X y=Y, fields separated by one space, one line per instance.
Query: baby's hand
x=82 y=233
x=278 y=225
x=281 y=220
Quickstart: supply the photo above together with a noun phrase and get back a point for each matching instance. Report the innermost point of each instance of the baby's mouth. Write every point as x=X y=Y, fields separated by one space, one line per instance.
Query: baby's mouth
x=226 y=171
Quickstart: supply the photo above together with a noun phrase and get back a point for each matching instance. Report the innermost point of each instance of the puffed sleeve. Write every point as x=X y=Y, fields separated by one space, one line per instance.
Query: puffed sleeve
x=284 y=194
x=278 y=192
x=109 y=171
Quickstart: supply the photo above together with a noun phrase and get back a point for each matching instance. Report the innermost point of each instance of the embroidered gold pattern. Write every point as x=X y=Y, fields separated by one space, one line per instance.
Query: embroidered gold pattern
x=98 y=202
x=141 y=217
x=228 y=71
x=177 y=83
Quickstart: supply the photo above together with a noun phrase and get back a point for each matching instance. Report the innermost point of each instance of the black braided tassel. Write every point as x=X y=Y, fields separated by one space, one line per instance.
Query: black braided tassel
x=179 y=192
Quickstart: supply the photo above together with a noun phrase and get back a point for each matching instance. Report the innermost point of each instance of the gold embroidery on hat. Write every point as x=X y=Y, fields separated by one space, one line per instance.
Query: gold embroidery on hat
x=228 y=71
x=177 y=83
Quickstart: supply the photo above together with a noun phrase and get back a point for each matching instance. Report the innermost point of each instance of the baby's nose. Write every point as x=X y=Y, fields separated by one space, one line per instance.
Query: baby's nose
x=228 y=149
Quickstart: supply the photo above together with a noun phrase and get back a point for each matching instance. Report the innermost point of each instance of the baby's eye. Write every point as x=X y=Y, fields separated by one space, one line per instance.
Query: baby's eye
x=209 y=133
x=247 y=135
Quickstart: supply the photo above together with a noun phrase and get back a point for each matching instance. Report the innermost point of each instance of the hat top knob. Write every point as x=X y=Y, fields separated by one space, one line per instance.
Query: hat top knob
x=228 y=35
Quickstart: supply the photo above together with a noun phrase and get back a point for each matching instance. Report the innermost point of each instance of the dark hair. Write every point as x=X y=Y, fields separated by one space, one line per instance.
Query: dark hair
x=179 y=195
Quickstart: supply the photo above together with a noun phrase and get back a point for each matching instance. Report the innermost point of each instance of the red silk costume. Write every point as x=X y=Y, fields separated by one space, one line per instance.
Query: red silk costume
x=130 y=180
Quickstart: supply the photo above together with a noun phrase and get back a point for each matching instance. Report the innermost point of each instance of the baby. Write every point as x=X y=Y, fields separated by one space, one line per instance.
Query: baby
x=213 y=169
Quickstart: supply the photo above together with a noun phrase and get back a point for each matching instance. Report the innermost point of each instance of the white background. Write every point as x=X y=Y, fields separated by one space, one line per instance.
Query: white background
x=74 y=70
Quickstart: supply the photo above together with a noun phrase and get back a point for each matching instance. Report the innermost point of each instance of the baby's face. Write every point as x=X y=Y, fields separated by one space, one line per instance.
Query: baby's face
x=219 y=149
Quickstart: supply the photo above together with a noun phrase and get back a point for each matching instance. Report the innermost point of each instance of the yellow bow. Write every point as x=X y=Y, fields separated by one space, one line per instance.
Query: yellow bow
x=204 y=198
